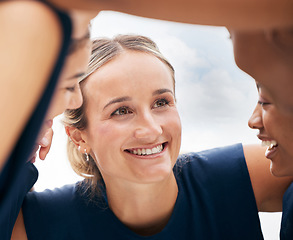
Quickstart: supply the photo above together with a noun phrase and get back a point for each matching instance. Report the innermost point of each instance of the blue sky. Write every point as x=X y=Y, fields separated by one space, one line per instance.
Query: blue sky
x=215 y=98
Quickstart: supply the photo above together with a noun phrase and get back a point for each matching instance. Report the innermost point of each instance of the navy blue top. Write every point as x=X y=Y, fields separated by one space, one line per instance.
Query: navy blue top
x=286 y=232
x=18 y=176
x=215 y=201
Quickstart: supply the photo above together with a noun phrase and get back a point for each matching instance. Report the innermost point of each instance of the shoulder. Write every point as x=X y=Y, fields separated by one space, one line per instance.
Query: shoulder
x=213 y=158
x=20 y=13
x=59 y=195
x=52 y=212
x=49 y=204
x=31 y=38
x=287 y=216
x=29 y=27
x=214 y=167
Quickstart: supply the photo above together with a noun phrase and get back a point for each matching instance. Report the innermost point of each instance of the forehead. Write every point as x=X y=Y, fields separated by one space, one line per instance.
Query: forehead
x=268 y=63
x=131 y=70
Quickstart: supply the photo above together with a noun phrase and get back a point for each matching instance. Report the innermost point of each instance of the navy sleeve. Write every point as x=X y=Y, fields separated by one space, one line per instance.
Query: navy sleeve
x=219 y=187
x=47 y=213
x=10 y=206
x=286 y=232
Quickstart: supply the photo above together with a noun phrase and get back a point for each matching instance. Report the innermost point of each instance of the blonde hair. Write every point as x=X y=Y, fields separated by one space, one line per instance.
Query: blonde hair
x=103 y=51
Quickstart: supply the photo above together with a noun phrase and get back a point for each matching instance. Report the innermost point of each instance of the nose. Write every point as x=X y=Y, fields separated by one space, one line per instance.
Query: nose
x=148 y=128
x=76 y=100
x=255 y=121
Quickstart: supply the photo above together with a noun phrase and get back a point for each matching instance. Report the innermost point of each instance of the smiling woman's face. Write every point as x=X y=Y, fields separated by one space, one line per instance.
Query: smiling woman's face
x=275 y=131
x=134 y=130
x=268 y=58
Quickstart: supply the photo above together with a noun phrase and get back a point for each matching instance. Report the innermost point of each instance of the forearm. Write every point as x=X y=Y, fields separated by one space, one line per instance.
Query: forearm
x=251 y=14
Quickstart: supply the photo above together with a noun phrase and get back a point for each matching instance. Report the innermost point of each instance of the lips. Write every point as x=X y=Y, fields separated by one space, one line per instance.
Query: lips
x=272 y=147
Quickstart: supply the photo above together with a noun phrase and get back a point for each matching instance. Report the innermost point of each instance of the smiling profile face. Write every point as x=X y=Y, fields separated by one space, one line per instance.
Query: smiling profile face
x=268 y=58
x=133 y=127
x=275 y=131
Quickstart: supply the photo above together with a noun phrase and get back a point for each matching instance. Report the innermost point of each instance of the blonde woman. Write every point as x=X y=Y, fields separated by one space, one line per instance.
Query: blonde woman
x=125 y=141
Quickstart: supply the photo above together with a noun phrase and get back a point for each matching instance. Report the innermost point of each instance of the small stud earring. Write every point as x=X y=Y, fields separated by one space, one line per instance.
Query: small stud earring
x=87 y=158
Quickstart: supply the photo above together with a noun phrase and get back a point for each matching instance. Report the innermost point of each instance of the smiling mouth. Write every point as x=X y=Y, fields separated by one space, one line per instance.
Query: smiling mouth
x=147 y=151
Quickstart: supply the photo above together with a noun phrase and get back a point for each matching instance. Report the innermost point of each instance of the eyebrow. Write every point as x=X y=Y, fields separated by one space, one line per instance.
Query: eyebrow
x=123 y=99
x=117 y=100
x=77 y=75
x=161 y=91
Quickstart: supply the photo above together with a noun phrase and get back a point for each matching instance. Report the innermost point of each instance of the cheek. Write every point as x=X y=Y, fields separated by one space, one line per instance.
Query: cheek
x=58 y=104
x=173 y=124
x=268 y=121
x=105 y=136
x=274 y=124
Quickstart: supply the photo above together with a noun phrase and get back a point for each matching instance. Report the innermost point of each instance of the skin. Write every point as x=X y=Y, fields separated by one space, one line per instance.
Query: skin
x=243 y=14
x=268 y=58
x=28 y=81
x=66 y=96
x=274 y=124
x=145 y=120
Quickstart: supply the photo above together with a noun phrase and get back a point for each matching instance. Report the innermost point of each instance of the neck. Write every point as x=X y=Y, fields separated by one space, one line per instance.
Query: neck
x=144 y=208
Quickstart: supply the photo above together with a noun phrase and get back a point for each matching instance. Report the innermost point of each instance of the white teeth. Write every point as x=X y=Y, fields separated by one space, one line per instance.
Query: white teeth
x=155 y=150
x=148 y=151
x=270 y=144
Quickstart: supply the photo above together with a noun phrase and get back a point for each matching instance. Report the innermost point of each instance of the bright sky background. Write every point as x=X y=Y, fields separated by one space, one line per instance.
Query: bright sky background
x=215 y=98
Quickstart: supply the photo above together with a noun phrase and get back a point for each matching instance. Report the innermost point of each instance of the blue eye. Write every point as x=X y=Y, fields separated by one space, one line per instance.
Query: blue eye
x=121 y=111
x=161 y=103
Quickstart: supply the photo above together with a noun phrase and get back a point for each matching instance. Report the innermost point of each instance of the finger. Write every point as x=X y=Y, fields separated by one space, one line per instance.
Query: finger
x=45 y=144
x=33 y=159
x=47 y=138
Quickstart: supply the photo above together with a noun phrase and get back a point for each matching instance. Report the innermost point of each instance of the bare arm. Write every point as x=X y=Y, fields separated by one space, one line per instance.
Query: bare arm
x=252 y=14
x=268 y=190
x=29 y=44
x=19 y=232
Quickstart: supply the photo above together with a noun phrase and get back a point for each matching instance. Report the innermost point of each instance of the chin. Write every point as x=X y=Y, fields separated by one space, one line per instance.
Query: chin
x=281 y=171
x=155 y=176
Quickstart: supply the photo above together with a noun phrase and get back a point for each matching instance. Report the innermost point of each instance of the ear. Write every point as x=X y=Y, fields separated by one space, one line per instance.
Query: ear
x=76 y=136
